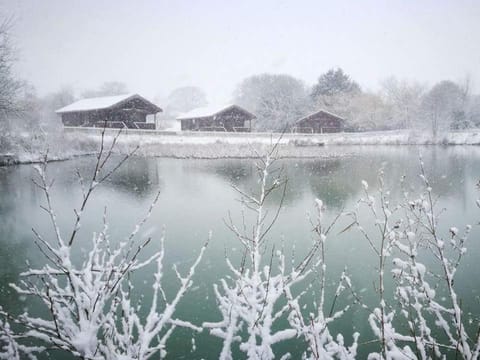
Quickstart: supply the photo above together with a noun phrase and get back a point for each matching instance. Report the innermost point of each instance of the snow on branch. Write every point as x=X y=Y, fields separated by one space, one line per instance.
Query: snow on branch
x=249 y=301
x=314 y=328
x=404 y=232
x=259 y=293
x=261 y=303
x=90 y=312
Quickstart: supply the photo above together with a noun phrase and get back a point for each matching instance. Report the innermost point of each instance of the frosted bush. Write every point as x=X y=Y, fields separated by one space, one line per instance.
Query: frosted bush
x=262 y=302
x=89 y=305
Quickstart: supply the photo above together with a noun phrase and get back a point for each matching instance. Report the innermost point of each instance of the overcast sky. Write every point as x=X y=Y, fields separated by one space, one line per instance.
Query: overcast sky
x=156 y=46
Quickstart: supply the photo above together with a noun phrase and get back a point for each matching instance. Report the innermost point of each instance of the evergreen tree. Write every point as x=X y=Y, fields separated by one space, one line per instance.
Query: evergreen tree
x=334 y=82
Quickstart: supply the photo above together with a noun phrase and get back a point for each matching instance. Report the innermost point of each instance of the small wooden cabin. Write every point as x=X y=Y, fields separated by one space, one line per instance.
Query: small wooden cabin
x=320 y=122
x=231 y=118
x=122 y=111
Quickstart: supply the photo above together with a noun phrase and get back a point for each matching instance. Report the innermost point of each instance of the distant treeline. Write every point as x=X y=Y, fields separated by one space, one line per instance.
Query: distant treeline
x=278 y=101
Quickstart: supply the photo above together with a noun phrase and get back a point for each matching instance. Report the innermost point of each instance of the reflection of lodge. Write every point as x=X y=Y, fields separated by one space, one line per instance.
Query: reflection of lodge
x=138 y=176
x=320 y=122
x=303 y=175
x=122 y=111
x=232 y=118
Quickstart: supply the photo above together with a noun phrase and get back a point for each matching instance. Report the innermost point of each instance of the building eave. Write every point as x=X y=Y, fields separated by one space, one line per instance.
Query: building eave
x=307 y=117
x=155 y=109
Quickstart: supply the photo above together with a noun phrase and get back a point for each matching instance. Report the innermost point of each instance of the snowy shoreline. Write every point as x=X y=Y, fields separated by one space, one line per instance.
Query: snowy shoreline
x=213 y=145
x=391 y=137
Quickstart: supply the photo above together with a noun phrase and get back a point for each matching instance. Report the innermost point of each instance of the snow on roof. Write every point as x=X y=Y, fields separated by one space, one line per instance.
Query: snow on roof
x=100 y=103
x=321 y=111
x=210 y=110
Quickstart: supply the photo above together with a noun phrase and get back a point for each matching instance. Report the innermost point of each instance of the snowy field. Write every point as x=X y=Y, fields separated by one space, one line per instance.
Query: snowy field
x=246 y=145
x=210 y=145
x=394 y=137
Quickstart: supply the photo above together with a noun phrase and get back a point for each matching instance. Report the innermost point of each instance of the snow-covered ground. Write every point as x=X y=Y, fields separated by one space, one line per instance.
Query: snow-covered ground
x=405 y=137
x=28 y=148
x=393 y=137
x=177 y=144
x=244 y=145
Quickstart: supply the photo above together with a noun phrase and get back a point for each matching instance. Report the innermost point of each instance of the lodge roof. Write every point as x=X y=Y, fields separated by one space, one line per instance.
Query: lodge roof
x=104 y=102
x=212 y=110
x=318 y=112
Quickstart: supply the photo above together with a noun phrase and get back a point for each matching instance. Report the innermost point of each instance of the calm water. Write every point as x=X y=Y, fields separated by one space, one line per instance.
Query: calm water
x=196 y=196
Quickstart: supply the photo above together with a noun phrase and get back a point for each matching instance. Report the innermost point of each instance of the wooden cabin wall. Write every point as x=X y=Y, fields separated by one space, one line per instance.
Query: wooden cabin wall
x=234 y=118
x=75 y=119
x=321 y=123
x=92 y=118
x=136 y=104
x=186 y=124
x=229 y=120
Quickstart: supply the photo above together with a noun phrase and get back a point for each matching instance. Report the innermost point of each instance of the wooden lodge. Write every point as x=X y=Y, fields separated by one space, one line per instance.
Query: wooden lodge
x=320 y=122
x=232 y=118
x=122 y=111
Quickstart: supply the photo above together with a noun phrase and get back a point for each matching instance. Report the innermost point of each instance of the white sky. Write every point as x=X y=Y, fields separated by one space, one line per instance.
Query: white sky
x=156 y=46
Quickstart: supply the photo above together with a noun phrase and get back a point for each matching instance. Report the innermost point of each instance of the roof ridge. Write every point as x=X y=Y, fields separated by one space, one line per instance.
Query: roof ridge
x=100 y=103
x=209 y=110
x=319 y=111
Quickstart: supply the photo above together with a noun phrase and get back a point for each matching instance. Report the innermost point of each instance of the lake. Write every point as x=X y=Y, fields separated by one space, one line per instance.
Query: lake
x=195 y=198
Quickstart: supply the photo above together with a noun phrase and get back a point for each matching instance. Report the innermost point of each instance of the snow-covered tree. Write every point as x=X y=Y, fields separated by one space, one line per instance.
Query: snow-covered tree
x=332 y=83
x=262 y=301
x=184 y=99
x=437 y=327
x=314 y=328
x=277 y=100
x=404 y=100
x=443 y=106
x=88 y=300
x=52 y=102
x=64 y=96
x=248 y=300
x=416 y=323
x=336 y=92
x=473 y=110
x=364 y=111
x=10 y=86
x=258 y=294
x=108 y=88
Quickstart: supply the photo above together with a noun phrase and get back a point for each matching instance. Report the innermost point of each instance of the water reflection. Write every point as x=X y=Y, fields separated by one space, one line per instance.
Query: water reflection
x=15 y=233
x=140 y=177
x=313 y=176
x=196 y=195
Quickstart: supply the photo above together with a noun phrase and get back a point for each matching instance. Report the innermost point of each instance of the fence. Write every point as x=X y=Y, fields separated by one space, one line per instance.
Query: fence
x=123 y=125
